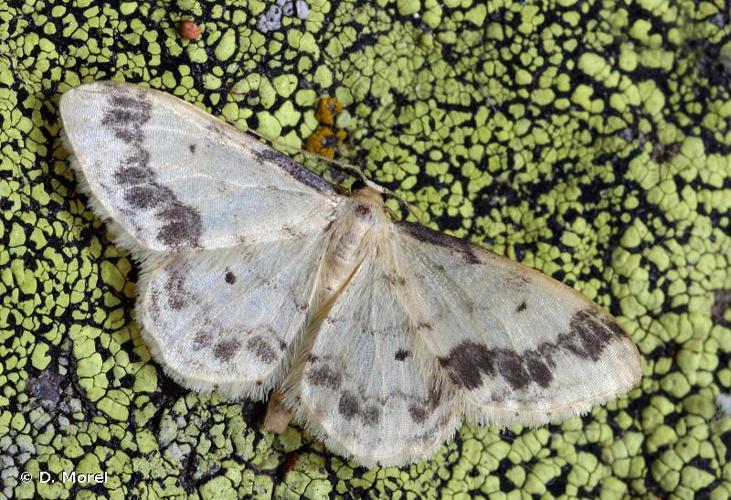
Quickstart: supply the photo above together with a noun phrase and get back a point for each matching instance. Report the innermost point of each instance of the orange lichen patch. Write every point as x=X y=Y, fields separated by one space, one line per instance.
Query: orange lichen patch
x=324 y=140
x=189 y=30
x=327 y=110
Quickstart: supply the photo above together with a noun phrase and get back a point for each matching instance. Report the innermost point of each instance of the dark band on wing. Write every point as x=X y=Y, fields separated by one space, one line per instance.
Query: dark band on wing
x=590 y=334
x=299 y=172
x=126 y=115
x=423 y=233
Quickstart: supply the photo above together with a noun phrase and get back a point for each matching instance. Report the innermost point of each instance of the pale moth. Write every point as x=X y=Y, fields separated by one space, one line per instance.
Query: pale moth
x=258 y=276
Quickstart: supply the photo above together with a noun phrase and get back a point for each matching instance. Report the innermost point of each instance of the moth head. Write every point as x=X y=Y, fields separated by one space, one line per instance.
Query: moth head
x=367 y=203
x=368 y=192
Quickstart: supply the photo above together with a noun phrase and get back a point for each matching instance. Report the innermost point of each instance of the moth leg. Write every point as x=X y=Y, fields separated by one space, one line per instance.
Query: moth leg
x=278 y=416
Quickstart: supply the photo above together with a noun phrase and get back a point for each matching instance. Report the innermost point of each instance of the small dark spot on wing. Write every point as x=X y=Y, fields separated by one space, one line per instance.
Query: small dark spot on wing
x=201 y=339
x=469 y=304
x=517 y=281
x=467 y=362
x=191 y=148
x=371 y=416
x=291 y=231
x=348 y=405
x=230 y=278
x=225 y=350
x=146 y=196
x=261 y=349
x=396 y=280
x=417 y=413
x=470 y=255
x=177 y=297
x=401 y=355
x=182 y=226
x=522 y=307
x=324 y=376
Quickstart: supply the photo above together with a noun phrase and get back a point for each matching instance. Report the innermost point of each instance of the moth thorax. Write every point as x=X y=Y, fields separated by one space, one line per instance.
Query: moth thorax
x=369 y=195
x=348 y=245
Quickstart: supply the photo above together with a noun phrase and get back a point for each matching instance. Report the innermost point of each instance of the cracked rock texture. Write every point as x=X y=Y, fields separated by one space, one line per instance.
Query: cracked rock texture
x=590 y=140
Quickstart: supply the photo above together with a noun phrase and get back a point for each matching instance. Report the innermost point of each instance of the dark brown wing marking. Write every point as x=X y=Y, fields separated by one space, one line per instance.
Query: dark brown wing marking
x=590 y=334
x=427 y=235
x=126 y=116
x=299 y=172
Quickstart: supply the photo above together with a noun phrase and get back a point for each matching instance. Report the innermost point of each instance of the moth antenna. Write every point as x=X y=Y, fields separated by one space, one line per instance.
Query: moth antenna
x=344 y=166
x=405 y=207
x=394 y=215
x=402 y=203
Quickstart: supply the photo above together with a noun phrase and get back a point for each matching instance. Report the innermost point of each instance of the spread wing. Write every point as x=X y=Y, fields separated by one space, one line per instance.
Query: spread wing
x=226 y=319
x=171 y=177
x=430 y=329
x=519 y=346
x=364 y=384
x=230 y=234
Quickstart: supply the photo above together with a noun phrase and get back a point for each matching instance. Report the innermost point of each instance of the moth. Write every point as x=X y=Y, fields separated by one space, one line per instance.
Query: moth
x=378 y=336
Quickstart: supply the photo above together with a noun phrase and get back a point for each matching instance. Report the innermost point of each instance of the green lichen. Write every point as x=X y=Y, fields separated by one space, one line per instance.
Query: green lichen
x=589 y=140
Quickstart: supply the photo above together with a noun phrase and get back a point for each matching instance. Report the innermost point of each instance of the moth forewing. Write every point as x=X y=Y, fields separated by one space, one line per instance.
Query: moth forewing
x=174 y=178
x=524 y=348
x=257 y=276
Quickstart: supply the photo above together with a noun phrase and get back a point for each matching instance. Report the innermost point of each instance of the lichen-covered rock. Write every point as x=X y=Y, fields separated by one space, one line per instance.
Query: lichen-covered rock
x=590 y=140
